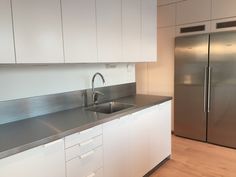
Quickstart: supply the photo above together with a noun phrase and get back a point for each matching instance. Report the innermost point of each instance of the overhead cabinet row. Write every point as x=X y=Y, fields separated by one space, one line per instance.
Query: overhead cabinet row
x=77 y=31
x=215 y=16
x=192 y=11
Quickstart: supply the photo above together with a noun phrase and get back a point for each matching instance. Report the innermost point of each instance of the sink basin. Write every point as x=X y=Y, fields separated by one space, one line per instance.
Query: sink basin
x=110 y=107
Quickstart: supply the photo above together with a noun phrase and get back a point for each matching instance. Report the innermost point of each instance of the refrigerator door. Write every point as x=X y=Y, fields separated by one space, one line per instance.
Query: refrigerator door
x=222 y=105
x=191 y=62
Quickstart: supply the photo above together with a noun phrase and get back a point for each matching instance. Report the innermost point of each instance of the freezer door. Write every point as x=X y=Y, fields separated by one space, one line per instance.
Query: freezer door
x=222 y=110
x=191 y=61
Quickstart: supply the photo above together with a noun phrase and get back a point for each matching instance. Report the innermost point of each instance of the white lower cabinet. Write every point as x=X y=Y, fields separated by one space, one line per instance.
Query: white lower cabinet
x=136 y=143
x=160 y=133
x=85 y=165
x=84 y=153
x=126 y=147
x=140 y=144
x=43 y=161
x=117 y=148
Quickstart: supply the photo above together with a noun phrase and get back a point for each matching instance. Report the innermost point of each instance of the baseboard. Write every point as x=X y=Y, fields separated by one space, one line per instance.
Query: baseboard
x=156 y=167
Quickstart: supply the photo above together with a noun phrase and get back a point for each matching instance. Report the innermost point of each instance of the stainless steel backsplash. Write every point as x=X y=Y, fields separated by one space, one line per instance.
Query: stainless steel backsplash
x=15 y=110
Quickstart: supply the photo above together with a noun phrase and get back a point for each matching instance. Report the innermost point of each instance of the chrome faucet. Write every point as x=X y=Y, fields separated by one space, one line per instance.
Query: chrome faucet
x=95 y=94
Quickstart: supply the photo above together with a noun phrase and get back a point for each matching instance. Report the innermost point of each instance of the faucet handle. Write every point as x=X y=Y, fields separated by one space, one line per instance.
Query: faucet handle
x=98 y=93
x=95 y=96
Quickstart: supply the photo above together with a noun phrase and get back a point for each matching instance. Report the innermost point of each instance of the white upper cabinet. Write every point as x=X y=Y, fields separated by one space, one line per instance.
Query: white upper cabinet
x=79 y=28
x=6 y=34
x=38 y=31
x=109 y=30
x=193 y=11
x=223 y=8
x=149 y=30
x=131 y=30
x=166 y=15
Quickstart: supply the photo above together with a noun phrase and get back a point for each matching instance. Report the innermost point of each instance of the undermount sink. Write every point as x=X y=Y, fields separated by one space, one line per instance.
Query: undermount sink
x=110 y=107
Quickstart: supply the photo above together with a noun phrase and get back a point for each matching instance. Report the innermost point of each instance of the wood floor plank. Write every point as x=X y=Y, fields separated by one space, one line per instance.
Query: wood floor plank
x=196 y=159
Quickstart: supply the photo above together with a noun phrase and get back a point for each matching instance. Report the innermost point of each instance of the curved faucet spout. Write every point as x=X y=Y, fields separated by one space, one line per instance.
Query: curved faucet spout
x=95 y=94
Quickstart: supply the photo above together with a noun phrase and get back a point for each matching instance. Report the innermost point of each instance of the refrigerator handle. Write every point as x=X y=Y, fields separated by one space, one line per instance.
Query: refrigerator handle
x=205 y=89
x=209 y=90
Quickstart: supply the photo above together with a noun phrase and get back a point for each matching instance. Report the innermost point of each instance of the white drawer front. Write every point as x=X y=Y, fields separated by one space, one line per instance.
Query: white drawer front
x=82 y=136
x=83 y=147
x=86 y=164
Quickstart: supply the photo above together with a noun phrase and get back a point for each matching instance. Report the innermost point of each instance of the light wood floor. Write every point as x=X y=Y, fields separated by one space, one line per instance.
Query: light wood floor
x=196 y=159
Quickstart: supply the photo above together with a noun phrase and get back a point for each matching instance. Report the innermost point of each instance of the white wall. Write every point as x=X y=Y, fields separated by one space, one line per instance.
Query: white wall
x=21 y=81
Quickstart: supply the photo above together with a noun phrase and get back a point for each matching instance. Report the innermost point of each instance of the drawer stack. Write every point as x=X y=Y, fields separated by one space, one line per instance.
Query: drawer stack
x=84 y=153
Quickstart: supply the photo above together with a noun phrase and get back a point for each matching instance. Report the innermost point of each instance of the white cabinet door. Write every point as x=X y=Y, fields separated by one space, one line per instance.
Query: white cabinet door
x=43 y=161
x=6 y=34
x=160 y=133
x=164 y=130
x=166 y=15
x=131 y=30
x=38 y=31
x=193 y=11
x=116 y=143
x=54 y=159
x=109 y=30
x=140 y=144
x=79 y=28
x=149 y=30
x=223 y=8
x=25 y=164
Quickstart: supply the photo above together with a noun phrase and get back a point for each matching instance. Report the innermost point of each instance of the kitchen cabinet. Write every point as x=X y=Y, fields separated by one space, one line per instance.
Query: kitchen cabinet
x=38 y=31
x=223 y=9
x=149 y=30
x=140 y=143
x=193 y=11
x=160 y=133
x=6 y=33
x=166 y=16
x=79 y=29
x=46 y=160
x=54 y=159
x=131 y=30
x=84 y=153
x=143 y=138
x=109 y=30
x=117 y=145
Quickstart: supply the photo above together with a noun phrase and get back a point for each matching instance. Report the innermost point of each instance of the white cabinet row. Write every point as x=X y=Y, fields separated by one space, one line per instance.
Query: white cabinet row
x=186 y=16
x=129 y=147
x=191 y=11
x=77 y=31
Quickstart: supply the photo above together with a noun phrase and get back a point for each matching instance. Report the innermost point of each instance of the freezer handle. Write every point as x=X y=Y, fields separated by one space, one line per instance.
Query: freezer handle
x=205 y=89
x=209 y=90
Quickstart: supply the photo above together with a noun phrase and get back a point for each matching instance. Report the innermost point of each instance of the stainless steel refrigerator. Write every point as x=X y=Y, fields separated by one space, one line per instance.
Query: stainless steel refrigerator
x=205 y=88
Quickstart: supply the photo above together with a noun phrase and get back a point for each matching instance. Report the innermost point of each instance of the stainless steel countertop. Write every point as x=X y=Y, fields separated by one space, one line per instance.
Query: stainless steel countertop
x=25 y=134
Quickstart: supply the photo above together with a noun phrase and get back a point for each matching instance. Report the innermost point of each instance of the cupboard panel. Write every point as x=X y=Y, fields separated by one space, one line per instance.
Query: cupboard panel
x=38 y=31
x=6 y=33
